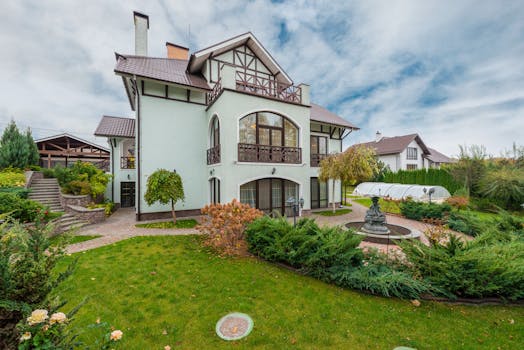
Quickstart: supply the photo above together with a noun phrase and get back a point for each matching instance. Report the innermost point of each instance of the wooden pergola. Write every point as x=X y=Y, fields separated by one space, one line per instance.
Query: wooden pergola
x=66 y=149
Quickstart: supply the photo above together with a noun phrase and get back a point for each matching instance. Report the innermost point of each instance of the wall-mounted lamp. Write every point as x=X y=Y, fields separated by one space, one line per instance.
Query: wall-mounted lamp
x=211 y=172
x=128 y=177
x=273 y=171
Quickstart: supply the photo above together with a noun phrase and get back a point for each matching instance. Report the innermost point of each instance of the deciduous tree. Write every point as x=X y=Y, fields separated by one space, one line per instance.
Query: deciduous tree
x=165 y=187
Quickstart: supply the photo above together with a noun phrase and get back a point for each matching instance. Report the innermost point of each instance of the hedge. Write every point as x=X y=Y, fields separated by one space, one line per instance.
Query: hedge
x=435 y=177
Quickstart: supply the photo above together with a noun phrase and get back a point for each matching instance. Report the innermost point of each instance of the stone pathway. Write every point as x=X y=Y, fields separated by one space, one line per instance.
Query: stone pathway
x=120 y=226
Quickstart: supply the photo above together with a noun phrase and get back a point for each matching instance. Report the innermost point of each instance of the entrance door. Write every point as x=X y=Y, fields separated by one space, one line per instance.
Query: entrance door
x=127 y=194
x=319 y=193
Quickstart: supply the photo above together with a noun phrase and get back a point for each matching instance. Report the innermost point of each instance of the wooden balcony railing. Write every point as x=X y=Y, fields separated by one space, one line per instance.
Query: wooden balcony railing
x=212 y=95
x=316 y=158
x=269 y=154
x=271 y=88
x=127 y=162
x=213 y=155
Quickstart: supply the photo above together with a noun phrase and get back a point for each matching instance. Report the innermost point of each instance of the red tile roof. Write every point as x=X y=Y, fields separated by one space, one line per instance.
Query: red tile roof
x=164 y=69
x=393 y=145
x=116 y=127
x=321 y=114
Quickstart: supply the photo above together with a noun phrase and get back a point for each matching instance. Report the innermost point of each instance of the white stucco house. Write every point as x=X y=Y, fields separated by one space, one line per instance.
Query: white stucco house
x=228 y=119
x=407 y=152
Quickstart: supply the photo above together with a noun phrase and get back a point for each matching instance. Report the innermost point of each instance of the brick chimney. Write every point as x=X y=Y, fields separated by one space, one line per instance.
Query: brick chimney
x=378 y=136
x=141 y=28
x=177 y=51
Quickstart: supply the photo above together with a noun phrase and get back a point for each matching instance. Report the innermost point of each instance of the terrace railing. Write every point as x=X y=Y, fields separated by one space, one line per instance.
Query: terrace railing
x=127 y=162
x=269 y=154
x=213 y=155
x=266 y=87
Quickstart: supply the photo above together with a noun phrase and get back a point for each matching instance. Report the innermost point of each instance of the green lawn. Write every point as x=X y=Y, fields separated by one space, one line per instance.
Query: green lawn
x=73 y=239
x=147 y=285
x=330 y=212
x=180 y=223
x=386 y=206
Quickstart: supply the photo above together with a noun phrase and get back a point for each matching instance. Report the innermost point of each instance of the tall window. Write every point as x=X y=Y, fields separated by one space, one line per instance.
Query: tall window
x=318 y=145
x=214 y=189
x=269 y=129
x=269 y=195
x=412 y=153
x=213 y=153
x=319 y=193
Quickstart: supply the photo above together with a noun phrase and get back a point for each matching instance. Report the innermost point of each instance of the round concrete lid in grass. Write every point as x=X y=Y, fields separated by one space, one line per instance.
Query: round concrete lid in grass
x=403 y=348
x=234 y=326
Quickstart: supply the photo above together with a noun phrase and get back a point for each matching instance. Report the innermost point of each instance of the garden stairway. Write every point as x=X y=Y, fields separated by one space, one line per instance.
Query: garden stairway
x=47 y=193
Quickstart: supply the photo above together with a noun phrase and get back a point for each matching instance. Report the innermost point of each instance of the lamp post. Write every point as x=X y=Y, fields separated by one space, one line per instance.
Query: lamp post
x=291 y=201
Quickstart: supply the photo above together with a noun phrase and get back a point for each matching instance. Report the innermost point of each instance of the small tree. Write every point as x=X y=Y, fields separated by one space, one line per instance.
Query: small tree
x=355 y=165
x=470 y=168
x=16 y=149
x=165 y=187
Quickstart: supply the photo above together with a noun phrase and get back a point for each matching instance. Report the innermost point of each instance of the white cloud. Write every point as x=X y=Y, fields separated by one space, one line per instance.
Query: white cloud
x=465 y=57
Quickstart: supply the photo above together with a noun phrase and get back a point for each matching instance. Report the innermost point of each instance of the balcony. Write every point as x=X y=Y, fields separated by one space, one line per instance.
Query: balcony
x=254 y=84
x=316 y=158
x=269 y=154
x=213 y=155
x=127 y=162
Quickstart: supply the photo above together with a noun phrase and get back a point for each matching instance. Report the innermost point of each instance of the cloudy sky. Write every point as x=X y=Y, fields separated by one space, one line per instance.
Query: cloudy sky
x=452 y=71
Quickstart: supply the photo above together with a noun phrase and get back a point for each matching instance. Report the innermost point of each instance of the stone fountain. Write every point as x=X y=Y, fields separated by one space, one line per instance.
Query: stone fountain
x=377 y=230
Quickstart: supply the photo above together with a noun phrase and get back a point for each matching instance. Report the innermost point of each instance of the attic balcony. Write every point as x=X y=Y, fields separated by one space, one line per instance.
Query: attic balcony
x=257 y=85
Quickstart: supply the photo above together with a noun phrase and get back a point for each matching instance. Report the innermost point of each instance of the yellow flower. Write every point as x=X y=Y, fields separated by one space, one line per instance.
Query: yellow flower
x=116 y=335
x=167 y=347
x=37 y=316
x=25 y=336
x=58 y=317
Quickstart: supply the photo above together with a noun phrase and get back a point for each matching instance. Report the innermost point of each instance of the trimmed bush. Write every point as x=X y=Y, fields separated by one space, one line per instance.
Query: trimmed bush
x=12 y=178
x=466 y=222
x=435 y=177
x=490 y=266
x=330 y=254
x=18 y=208
x=418 y=210
x=21 y=192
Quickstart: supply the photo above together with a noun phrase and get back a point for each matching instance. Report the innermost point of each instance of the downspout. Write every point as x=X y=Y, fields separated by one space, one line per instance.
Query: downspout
x=138 y=157
x=112 y=170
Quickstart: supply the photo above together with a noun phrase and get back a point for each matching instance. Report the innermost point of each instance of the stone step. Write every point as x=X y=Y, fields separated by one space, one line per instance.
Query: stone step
x=44 y=196
x=74 y=225
x=44 y=188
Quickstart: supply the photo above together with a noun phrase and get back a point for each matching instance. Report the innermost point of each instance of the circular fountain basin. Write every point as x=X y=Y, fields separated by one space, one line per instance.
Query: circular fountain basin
x=396 y=233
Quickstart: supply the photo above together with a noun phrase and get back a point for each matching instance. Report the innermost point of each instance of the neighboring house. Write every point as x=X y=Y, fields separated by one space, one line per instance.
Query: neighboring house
x=66 y=149
x=407 y=152
x=229 y=120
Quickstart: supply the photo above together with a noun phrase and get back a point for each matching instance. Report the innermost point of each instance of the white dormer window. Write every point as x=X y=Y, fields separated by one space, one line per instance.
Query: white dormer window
x=412 y=153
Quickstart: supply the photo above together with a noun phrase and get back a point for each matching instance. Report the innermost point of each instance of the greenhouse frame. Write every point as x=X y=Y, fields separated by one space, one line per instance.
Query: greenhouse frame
x=419 y=193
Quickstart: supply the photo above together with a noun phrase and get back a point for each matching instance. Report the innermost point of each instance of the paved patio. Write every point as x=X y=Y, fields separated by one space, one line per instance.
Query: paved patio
x=121 y=225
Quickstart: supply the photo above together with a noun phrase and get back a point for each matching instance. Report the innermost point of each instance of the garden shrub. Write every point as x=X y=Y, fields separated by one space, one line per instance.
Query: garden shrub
x=330 y=254
x=466 y=222
x=435 y=177
x=224 y=225
x=12 y=178
x=18 y=208
x=504 y=186
x=77 y=187
x=21 y=192
x=80 y=179
x=490 y=266
x=418 y=210
x=458 y=202
x=27 y=260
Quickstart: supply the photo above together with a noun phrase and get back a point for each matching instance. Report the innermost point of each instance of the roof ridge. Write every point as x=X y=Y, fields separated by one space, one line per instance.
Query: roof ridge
x=112 y=116
x=153 y=58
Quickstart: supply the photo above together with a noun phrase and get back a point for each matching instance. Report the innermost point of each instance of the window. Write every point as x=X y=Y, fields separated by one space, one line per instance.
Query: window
x=127 y=159
x=411 y=167
x=213 y=152
x=319 y=193
x=269 y=129
x=411 y=153
x=214 y=188
x=269 y=195
x=318 y=145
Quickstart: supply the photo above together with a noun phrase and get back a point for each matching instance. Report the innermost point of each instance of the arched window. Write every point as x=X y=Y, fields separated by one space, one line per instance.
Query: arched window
x=268 y=137
x=266 y=128
x=213 y=153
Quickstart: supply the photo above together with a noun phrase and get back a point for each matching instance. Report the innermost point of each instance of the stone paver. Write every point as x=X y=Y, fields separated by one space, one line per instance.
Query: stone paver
x=120 y=226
